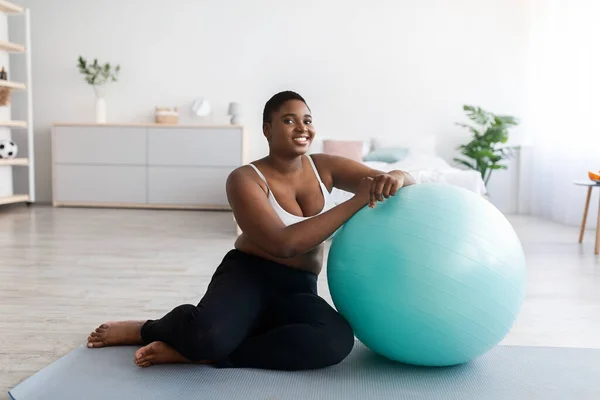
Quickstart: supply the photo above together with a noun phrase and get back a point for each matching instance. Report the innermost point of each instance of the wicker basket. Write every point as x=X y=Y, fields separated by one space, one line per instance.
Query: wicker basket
x=165 y=115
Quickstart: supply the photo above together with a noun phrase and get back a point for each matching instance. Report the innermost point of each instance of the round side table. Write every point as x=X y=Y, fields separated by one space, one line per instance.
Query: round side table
x=590 y=185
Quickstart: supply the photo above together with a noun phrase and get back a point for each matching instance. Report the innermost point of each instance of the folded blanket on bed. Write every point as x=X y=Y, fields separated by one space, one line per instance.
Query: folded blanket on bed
x=426 y=168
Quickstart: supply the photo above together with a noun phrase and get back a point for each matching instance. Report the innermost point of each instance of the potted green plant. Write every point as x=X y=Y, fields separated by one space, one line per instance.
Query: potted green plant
x=485 y=152
x=99 y=76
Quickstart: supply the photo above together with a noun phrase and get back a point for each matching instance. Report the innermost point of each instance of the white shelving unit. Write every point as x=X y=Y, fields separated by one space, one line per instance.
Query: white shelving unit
x=8 y=7
x=20 y=50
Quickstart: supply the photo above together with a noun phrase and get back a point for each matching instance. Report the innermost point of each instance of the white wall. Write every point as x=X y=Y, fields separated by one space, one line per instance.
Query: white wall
x=385 y=67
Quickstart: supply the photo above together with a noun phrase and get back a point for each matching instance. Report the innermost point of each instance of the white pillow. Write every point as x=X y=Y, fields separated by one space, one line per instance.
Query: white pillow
x=422 y=144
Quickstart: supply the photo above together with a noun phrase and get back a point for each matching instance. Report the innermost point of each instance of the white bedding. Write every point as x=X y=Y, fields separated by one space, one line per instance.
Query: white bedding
x=425 y=168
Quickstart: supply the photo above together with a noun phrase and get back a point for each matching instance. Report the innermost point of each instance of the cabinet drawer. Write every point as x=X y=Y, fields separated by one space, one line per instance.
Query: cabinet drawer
x=188 y=186
x=99 y=184
x=100 y=145
x=195 y=147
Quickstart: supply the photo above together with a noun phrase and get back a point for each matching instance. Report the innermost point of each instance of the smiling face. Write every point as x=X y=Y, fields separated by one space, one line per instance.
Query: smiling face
x=290 y=130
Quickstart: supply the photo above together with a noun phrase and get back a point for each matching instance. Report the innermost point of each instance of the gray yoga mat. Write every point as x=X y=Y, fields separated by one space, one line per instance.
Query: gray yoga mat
x=506 y=372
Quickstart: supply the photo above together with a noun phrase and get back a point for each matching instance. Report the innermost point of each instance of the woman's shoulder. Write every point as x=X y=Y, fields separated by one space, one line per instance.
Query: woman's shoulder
x=331 y=161
x=244 y=175
x=247 y=169
x=323 y=161
x=243 y=172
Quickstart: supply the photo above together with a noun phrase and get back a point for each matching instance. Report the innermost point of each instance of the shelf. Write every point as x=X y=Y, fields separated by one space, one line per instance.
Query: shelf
x=14 y=47
x=19 y=198
x=14 y=161
x=14 y=124
x=24 y=180
x=8 y=7
x=146 y=125
x=12 y=85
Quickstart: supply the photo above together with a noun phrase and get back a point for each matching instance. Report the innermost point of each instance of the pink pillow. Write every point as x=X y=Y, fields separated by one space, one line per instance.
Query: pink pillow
x=352 y=149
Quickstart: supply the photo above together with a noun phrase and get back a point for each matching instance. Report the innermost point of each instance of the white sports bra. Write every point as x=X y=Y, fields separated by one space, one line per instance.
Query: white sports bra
x=286 y=217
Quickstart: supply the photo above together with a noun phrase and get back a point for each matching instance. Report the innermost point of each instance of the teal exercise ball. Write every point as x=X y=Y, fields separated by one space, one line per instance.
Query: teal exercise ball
x=434 y=276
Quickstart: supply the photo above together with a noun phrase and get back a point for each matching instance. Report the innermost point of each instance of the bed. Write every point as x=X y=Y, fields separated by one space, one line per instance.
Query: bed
x=420 y=161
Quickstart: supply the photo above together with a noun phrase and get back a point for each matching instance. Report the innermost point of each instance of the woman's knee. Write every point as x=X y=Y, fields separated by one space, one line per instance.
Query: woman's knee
x=184 y=312
x=199 y=336
x=338 y=341
x=212 y=344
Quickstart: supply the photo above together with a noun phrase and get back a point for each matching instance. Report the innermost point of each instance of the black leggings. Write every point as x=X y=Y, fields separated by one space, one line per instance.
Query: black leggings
x=256 y=314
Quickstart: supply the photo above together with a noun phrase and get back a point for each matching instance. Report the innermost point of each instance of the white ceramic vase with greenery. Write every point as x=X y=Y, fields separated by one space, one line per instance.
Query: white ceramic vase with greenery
x=99 y=76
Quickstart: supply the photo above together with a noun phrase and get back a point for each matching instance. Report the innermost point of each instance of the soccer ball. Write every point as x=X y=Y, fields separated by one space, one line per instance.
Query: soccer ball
x=8 y=149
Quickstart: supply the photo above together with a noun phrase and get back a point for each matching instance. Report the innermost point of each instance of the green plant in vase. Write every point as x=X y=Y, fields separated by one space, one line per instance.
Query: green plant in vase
x=98 y=75
x=485 y=153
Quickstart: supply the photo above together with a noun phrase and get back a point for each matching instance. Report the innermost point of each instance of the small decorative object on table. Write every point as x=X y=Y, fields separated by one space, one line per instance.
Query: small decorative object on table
x=8 y=149
x=4 y=91
x=594 y=176
x=201 y=108
x=98 y=76
x=234 y=112
x=166 y=115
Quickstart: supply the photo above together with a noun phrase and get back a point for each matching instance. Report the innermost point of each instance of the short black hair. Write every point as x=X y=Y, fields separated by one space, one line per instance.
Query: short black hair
x=277 y=101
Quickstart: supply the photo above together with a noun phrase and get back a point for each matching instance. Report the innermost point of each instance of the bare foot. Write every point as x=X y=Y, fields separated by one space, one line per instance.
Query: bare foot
x=116 y=333
x=158 y=353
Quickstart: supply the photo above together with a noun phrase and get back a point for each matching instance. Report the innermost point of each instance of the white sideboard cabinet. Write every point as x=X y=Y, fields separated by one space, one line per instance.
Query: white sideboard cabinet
x=145 y=165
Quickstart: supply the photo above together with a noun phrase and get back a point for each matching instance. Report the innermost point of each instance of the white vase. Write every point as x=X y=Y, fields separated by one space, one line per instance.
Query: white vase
x=100 y=110
x=100 y=91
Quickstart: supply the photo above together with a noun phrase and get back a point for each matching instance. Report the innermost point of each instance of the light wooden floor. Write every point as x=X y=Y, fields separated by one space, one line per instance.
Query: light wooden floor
x=65 y=271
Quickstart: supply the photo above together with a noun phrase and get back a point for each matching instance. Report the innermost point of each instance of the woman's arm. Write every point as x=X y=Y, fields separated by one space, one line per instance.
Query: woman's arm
x=346 y=174
x=256 y=217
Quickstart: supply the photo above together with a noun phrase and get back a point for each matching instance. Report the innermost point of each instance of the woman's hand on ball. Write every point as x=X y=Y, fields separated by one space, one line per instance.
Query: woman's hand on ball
x=372 y=190
x=382 y=187
x=363 y=193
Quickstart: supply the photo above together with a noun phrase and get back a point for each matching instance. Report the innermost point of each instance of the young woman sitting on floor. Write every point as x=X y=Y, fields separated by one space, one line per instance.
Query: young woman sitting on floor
x=261 y=308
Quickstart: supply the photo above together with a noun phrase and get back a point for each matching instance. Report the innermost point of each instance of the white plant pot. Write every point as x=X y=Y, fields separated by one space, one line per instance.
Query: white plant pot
x=100 y=110
x=100 y=91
